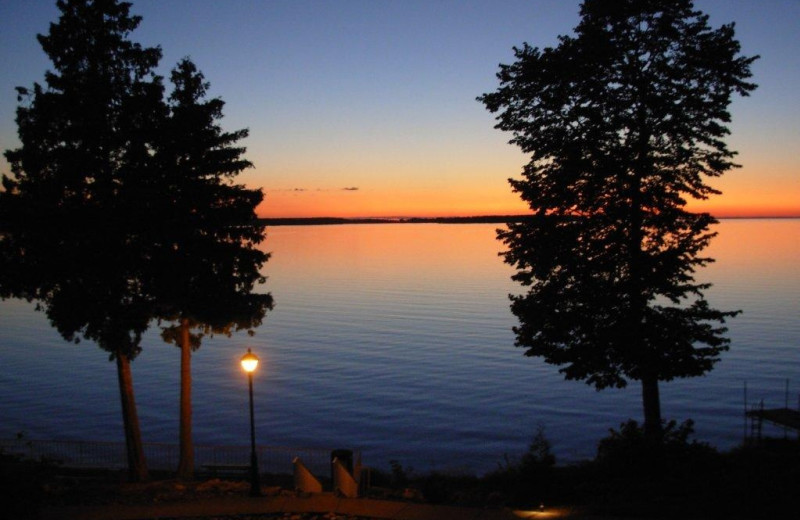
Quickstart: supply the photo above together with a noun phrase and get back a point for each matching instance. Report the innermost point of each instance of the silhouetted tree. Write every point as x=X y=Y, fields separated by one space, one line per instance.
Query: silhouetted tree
x=624 y=122
x=72 y=209
x=205 y=262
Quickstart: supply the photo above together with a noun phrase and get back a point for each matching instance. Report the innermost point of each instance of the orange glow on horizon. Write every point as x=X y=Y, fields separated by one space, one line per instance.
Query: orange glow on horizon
x=723 y=209
x=387 y=203
x=745 y=195
x=436 y=205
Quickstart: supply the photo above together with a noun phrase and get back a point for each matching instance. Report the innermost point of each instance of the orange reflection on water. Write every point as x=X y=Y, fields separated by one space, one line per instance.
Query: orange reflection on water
x=748 y=245
x=407 y=251
x=742 y=248
x=755 y=253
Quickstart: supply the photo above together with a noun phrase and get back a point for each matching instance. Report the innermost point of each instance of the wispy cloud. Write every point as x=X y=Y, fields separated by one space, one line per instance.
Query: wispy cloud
x=301 y=190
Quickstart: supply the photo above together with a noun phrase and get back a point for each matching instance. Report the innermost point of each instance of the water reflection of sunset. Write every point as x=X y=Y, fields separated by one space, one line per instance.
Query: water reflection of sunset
x=407 y=250
x=435 y=254
x=747 y=245
x=429 y=337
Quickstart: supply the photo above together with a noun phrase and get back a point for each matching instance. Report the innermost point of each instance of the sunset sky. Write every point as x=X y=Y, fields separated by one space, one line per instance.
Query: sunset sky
x=367 y=108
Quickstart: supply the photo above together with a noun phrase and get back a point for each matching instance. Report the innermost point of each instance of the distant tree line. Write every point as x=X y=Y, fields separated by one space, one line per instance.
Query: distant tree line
x=325 y=221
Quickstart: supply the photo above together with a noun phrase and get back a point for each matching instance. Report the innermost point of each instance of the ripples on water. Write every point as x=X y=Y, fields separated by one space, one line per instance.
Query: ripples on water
x=396 y=339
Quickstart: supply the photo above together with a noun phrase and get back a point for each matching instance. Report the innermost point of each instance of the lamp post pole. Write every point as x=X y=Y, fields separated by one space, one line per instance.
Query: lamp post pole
x=249 y=363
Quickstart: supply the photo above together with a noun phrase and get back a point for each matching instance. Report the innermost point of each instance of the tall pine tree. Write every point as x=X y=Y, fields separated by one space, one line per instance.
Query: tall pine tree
x=71 y=231
x=624 y=122
x=205 y=262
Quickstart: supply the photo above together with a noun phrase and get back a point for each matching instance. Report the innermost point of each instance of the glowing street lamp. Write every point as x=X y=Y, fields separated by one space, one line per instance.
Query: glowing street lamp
x=249 y=364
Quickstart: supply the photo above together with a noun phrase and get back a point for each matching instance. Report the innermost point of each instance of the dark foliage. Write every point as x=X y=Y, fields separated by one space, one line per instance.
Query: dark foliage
x=623 y=123
x=24 y=484
x=632 y=473
x=758 y=481
x=399 y=475
x=203 y=252
x=633 y=477
x=69 y=218
x=694 y=481
x=71 y=213
x=531 y=481
x=203 y=258
x=121 y=207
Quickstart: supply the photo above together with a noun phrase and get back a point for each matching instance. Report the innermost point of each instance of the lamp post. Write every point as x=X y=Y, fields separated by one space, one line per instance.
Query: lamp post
x=249 y=364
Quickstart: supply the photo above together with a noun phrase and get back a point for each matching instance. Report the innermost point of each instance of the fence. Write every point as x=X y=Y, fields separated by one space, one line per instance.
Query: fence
x=111 y=455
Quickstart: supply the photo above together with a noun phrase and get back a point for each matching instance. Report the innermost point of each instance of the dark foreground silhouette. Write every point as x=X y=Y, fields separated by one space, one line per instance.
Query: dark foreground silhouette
x=629 y=477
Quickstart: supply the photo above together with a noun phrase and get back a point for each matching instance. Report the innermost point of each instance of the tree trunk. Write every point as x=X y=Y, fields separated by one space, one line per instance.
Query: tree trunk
x=643 y=169
x=186 y=461
x=137 y=465
x=652 y=408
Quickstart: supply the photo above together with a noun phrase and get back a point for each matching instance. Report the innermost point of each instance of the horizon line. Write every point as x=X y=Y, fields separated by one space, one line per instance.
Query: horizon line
x=490 y=218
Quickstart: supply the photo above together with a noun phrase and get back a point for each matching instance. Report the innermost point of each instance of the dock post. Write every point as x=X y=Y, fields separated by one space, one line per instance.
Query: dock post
x=744 y=439
x=786 y=405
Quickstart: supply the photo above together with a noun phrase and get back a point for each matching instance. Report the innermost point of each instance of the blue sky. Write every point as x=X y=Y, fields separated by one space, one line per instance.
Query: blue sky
x=380 y=95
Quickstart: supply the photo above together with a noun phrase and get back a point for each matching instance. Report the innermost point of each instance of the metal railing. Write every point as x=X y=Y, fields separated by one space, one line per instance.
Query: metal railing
x=164 y=457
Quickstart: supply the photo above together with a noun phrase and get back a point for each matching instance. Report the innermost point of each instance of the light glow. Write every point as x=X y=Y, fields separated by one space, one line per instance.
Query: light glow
x=249 y=362
x=546 y=513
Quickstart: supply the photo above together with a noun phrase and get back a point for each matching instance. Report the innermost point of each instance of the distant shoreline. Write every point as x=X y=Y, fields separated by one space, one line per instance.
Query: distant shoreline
x=487 y=219
x=325 y=221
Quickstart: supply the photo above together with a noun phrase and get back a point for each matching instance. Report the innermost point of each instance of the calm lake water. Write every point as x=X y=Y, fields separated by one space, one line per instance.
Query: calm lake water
x=396 y=340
